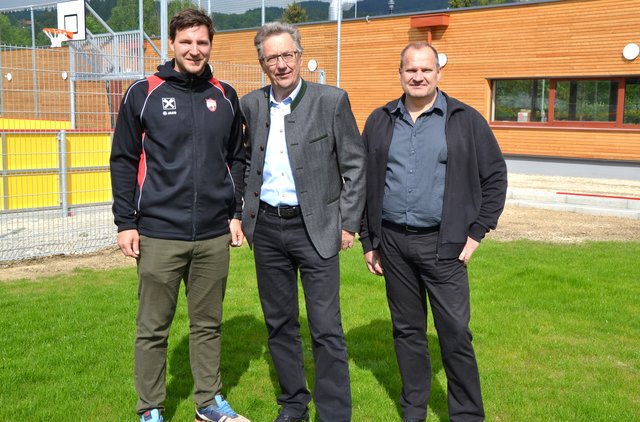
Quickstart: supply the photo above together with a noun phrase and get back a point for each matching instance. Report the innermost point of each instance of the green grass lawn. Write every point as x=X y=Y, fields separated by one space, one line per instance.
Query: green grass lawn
x=556 y=330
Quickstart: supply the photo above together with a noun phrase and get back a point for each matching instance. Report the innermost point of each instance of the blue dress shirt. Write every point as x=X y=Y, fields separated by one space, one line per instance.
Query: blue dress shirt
x=414 y=182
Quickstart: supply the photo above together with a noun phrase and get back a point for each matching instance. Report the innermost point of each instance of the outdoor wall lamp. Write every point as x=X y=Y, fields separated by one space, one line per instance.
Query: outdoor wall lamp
x=631 y=51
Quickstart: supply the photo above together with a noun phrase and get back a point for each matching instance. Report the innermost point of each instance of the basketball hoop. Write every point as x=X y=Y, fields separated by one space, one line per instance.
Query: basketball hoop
x=57 y=36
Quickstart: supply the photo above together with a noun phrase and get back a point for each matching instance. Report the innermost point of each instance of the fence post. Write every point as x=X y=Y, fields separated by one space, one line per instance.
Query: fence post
x=35 y=66
x=5 y=175
x=62 y=153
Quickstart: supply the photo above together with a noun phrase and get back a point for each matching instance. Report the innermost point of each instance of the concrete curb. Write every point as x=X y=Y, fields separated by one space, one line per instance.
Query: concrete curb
x=592 y=205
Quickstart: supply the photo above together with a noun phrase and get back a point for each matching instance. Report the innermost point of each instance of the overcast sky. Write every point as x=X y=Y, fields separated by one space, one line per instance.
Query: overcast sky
x=224 y=6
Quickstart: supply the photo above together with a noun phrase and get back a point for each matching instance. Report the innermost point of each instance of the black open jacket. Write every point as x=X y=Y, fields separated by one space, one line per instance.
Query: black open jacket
x=177 y=159
x=475 y=180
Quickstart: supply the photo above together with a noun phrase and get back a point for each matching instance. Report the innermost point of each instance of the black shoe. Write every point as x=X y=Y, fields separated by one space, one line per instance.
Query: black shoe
x=288 y=418
x=412 y=420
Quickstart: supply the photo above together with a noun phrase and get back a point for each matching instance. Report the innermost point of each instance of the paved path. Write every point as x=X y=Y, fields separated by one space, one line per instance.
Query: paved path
x=606 y=197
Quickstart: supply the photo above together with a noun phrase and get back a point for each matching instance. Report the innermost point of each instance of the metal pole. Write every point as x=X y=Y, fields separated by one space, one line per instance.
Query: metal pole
x=164 y=36
x=141 y=37
x=33 y=60
x=338 y=43
x=5 y=187
x=62 y=149
x=262 y=22
x=1 y=90
x=72 y=89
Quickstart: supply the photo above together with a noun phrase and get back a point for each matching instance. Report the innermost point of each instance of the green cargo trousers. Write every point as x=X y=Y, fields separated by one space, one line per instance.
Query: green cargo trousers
x=162 y=265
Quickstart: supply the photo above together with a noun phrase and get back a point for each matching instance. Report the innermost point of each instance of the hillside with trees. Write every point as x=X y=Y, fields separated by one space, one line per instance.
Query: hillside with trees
x=122 y=15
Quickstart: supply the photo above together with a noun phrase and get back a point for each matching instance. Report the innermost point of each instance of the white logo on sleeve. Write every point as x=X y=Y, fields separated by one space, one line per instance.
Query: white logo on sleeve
x=169 y=106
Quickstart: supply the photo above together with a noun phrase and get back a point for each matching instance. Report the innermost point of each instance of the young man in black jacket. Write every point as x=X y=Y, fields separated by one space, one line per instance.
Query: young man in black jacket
x=177 y=166
x=436 y=184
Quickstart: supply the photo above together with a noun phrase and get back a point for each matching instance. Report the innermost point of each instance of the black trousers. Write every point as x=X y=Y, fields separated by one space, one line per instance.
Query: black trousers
x=282 y=248
x=413 y=275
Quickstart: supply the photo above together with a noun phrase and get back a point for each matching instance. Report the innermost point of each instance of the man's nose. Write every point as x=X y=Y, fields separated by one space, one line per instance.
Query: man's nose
x=280 y=63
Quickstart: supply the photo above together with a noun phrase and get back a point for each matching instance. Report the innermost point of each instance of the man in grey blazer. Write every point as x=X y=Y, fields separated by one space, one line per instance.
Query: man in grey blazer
x=303 y=203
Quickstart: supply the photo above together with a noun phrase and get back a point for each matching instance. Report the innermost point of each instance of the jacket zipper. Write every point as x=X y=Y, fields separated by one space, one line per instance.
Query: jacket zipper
x=195 y=161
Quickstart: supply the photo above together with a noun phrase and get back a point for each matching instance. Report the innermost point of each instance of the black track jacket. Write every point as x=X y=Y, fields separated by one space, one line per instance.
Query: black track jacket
x=177 y=160
x=475 y=181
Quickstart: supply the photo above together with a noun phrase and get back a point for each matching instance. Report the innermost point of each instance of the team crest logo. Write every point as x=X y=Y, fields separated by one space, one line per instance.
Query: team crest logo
x=211 y=104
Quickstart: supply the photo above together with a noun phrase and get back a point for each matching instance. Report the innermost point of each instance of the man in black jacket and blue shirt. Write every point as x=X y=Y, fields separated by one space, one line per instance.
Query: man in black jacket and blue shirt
x=177 y=167
x=436 y=184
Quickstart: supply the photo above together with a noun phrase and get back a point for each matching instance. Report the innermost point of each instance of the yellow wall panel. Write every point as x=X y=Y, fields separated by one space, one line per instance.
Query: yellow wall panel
x=33 y=191
x=89 y=187
x=88 y=150
x=2 y=207
x=31 y=151
x=32 y=124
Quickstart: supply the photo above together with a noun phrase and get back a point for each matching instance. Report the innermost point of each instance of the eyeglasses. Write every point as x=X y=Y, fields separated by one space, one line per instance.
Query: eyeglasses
x=287 y=57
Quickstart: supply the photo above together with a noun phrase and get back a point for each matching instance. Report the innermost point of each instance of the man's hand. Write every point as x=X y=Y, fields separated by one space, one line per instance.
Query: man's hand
x=468 y=250
x=237 y=235
x=372 y=258
x=129 y=243
x=347 y=239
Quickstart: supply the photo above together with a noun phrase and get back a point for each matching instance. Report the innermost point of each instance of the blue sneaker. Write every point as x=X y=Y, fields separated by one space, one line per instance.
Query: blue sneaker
x=219 y=412
x=152 y=415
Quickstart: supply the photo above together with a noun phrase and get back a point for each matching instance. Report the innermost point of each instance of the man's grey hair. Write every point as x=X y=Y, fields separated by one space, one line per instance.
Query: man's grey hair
x=417 y=45
x=276 y=28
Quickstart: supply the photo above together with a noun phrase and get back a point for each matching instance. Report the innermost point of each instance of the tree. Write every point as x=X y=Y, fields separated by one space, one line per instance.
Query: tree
x=294 y=13
x=178 y=6
x=454 y=4
x=13 y=33
x=124 y=16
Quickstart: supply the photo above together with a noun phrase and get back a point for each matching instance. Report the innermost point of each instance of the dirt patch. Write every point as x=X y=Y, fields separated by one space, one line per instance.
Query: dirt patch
x=562 y=227
x=515 y=223
x=63 y=264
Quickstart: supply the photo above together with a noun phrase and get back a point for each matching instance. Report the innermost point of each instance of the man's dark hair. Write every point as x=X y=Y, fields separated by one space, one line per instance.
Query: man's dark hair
x=189 y=18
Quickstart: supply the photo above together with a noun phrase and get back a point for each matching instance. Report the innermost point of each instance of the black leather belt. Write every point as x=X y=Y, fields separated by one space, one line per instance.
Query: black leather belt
x=409 y=229
x=283 y=211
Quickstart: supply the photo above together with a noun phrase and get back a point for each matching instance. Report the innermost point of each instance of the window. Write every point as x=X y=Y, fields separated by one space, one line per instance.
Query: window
x=613 y=102
x=521 y=100
x=632 y=102
x=586 y=101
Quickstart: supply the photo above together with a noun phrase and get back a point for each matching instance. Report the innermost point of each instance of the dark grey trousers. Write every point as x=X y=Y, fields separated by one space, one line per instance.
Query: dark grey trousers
x=163 y=264
x=281 y=249
x=413 y=275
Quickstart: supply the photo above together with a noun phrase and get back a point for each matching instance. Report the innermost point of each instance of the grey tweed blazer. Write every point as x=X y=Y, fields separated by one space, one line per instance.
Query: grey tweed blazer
x=327 y=158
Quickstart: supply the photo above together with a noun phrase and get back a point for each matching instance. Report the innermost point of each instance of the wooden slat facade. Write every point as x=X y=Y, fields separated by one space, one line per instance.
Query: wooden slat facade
x=567 y=38
x=570 y=38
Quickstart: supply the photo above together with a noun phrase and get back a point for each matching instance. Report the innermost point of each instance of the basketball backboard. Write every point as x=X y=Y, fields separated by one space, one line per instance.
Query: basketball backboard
x=71 y=18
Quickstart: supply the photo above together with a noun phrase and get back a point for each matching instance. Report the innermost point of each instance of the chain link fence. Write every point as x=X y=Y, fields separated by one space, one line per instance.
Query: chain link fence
x=58 y=109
